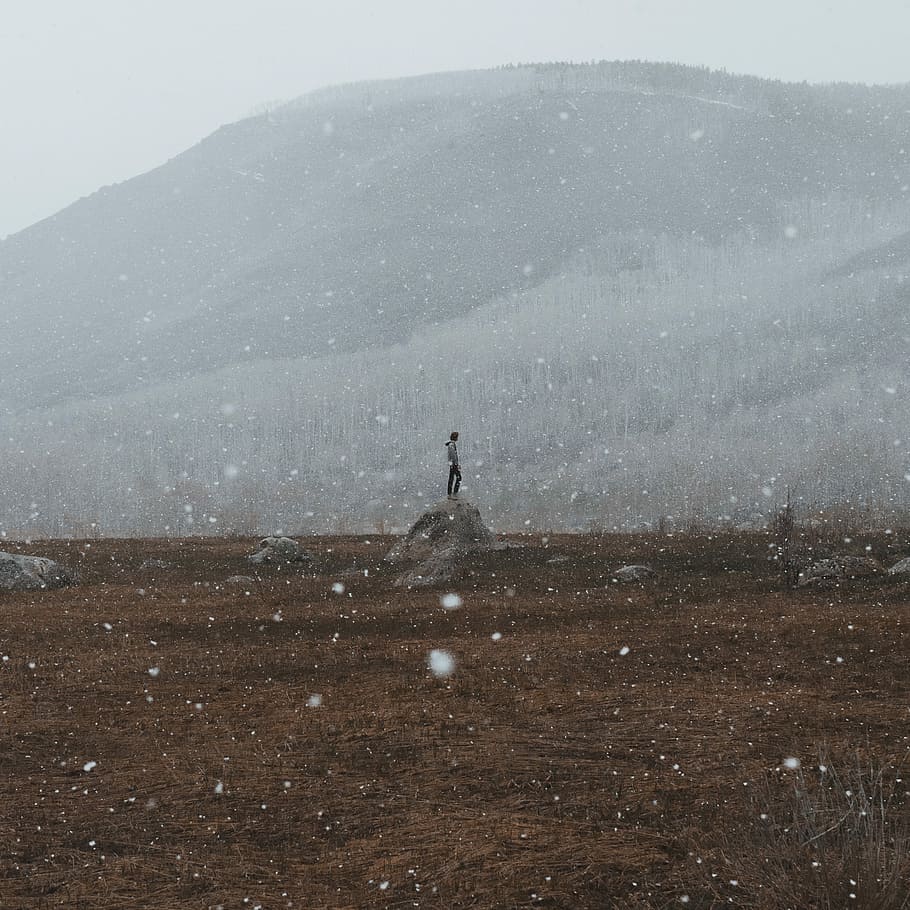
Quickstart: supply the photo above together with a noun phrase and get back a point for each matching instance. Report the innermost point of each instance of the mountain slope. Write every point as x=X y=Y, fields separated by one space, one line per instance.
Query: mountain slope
x=282 y=268
x=355 y=222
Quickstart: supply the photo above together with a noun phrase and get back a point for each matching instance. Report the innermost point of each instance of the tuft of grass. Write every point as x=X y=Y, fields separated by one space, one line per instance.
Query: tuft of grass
x=831 y=836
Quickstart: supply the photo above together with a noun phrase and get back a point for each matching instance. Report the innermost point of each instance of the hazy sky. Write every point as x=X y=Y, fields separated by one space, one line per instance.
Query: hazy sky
x=95 y=91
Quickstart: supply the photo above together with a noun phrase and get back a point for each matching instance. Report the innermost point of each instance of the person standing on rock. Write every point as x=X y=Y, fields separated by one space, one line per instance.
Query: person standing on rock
x=454 y=468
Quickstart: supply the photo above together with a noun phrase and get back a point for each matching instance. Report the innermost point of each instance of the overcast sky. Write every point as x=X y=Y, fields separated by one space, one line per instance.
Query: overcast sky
x=95 y=91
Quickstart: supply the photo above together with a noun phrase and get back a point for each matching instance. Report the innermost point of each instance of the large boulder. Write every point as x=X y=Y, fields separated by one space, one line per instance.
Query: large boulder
x=839 y=568
x=439 y=544
x=32 y=573
x=280 y=550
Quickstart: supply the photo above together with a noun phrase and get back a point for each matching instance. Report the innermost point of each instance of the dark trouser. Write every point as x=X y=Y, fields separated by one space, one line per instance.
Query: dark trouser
x=454 y=479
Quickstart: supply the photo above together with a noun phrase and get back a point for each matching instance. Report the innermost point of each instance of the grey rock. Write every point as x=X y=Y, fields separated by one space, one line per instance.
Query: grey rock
x=32 y=573
x=156 y=564
x=901 y=568
x=280 y=550
x=839 y=568
x=240 y=580
x=440 y=543
x=633 y=573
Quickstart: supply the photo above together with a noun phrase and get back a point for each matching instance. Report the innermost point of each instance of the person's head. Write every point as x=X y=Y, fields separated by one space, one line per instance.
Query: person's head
x=454 y=436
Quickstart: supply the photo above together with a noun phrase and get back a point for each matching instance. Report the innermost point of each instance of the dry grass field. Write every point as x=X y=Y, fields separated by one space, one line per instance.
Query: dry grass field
x=171 y=740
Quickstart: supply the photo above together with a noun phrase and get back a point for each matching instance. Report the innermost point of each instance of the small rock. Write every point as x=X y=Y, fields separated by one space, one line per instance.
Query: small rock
x=280 y=549
x=156 y=564
x=240 y=580
x=633 y=573
x=901 y=568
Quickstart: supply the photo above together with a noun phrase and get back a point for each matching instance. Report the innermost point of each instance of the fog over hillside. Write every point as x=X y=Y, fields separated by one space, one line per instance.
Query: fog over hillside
x=642 y=293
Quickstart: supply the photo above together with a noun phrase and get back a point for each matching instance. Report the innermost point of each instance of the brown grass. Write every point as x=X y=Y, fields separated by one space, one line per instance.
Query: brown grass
x=549 y=771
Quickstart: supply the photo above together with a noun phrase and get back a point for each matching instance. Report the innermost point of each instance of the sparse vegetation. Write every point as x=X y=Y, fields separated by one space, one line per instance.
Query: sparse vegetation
x=171 y=740
x=832 y=835
x=783 y=529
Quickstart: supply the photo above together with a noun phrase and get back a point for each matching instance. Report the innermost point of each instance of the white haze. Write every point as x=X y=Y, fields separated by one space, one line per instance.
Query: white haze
x=646 y=294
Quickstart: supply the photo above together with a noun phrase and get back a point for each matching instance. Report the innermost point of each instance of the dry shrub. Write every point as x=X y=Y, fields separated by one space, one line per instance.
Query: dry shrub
x=821 y=838
x=782 y=530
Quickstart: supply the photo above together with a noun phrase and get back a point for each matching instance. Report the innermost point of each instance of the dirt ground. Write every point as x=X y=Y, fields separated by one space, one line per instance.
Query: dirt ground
x=170 y=739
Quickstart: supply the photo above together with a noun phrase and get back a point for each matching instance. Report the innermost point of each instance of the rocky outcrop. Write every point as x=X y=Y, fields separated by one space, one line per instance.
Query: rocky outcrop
x=440 y=544
x=280 y=550
x=32 y=573
x=901 y=569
